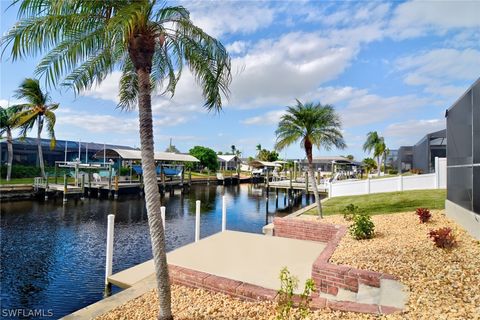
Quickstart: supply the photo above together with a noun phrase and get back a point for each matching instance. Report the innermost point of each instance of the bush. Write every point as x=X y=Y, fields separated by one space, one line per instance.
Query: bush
x=124 y=171
x=288 y=284
x=350 y=211
x=392 y=171
x=423 y=214
x=362 y=227
x=443 y=237
x=21 y=171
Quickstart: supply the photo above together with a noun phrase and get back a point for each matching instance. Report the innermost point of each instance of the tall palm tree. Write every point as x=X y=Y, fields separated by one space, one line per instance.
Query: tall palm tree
x=7 y=124
x=150 y=43
x=36 y=110
x=313 y=124
x=376 y=144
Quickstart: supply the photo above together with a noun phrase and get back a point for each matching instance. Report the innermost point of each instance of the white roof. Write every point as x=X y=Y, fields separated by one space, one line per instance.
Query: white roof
x=226 y=157
x=258 y=163
x=127 y=154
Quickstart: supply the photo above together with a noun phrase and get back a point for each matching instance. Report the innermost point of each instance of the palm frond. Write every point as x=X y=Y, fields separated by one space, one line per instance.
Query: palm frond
x=50 y=120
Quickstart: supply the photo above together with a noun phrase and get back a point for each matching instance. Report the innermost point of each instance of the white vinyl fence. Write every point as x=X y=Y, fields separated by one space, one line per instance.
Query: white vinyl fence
x=437 y=180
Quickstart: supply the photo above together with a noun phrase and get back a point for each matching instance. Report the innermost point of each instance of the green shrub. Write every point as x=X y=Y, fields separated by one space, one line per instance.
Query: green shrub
x=288 y=284
x=350 y=211
x=124 y=171
x=392 y=171
x=362 y=227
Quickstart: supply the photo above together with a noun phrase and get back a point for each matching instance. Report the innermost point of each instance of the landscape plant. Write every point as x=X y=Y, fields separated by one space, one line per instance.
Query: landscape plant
x=423 y=214
x=313 y=124
x=286 y=297
x=362 y=227
x=350 y=211
x=443 y=237
x=150 y=43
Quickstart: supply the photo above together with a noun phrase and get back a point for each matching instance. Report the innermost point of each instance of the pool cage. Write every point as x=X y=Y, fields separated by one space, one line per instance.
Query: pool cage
x=463 y=150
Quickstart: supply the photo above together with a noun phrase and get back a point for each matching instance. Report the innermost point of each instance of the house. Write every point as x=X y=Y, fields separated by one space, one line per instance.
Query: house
x=422 y=155
x=463 y=160
x=228 y=161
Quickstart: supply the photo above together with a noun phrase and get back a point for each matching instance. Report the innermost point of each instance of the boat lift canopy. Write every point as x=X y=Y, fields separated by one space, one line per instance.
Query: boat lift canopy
x=125 y=154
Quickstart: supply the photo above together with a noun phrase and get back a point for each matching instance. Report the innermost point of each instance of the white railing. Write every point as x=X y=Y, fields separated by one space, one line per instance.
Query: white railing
x=436 y=180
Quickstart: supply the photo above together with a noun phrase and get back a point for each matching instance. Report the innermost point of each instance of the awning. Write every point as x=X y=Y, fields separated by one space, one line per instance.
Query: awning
x=125 y=154
x=259 y=164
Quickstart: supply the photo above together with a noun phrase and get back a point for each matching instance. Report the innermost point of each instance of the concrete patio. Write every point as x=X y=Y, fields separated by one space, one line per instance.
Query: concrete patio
x=240 y=256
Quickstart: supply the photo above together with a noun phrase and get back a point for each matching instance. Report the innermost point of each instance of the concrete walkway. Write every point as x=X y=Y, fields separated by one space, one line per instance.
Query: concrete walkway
x=240 y=256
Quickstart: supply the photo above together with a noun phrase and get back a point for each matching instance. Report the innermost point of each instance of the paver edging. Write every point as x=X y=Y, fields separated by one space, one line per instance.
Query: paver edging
x=328 y=277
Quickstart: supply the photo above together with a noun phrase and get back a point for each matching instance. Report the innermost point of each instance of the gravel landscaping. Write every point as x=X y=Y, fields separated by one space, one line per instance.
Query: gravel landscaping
x=443 y=284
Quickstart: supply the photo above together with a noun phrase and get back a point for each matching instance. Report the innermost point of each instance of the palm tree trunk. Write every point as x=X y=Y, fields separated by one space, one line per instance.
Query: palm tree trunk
x=10 y=153
x=379 y=166
x=311 y=173
x=152 y=196
x=39 y=145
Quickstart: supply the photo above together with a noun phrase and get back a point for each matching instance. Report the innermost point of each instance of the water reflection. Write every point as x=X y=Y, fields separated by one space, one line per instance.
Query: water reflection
x=53 y=254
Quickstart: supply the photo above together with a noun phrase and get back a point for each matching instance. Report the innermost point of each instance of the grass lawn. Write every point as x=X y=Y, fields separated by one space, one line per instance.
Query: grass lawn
x=380 y=203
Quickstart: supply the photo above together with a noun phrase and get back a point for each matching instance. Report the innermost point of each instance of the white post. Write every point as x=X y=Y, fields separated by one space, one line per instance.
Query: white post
x=330 y=190
x=437 y=173
x=400 y=182
x=368 y=185
x=224 y=214
x=162 y=214
x=197 y=221
x=86 y=153
x=109 y=256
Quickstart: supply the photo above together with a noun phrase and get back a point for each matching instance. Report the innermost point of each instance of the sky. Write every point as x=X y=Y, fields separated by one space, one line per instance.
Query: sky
x=391 y=67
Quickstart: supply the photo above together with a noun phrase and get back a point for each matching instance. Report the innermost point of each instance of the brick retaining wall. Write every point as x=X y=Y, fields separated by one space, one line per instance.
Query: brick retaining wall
x=328 y=277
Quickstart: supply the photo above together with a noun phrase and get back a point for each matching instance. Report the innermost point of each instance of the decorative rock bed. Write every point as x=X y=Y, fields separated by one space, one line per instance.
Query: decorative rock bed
x=443 y=284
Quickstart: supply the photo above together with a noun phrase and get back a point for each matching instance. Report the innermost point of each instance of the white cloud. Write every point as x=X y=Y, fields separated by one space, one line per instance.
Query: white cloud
x=272 y=117
x=417 y=18
x=439 y=70
x=98 y=123
x=236 y=47
x=225 y=17
x=409 y=132
x=107 y=90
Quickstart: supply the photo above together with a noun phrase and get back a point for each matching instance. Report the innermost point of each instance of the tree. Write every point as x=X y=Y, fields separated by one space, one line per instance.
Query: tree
x=350 y=157
x=7 y=124
x=150 y=43
x=313 y=124
x=369 y=164
x=258 y=148
x=376 y=144
x=233 y=148
x=266 y=155
x=37 y=111
x=208 y=157
x=172 y=148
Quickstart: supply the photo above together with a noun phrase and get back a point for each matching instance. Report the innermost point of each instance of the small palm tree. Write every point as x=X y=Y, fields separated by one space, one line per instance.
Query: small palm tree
x=376 y=144
x=369 y=165
x=313 y=124
x=150 y=43
x=7 y=124
x=37 y=111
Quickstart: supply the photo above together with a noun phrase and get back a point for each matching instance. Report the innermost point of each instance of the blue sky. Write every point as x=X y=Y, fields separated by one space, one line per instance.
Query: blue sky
x=387 y=67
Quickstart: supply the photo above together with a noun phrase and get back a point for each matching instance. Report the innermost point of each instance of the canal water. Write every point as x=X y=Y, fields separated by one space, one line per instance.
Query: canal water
x=53 y=254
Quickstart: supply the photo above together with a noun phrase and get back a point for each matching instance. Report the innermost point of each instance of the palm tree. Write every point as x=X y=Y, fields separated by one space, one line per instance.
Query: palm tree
x=150 y=43
x=376 y=144
x=313 y=124
x=37 y=111
x=233 y=148
x=259 y=148
x=7 y=124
